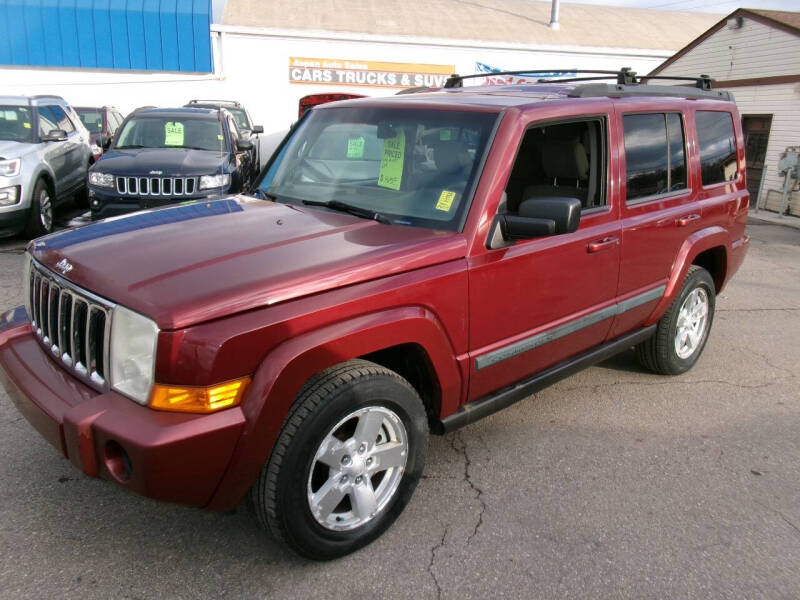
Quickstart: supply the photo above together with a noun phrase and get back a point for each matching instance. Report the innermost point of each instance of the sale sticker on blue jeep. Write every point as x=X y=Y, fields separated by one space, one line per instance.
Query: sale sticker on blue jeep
x=173 y=133
x=394 y=150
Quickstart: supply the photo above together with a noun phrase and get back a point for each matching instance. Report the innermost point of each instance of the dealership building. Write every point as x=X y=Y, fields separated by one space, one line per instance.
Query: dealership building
x=268 y=55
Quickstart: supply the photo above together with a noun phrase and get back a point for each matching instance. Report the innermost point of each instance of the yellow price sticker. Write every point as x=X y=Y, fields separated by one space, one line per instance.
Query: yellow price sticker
x=394 y=151
x=173 y=134
x=219 y=137
x=26 y=125
x=445 y=200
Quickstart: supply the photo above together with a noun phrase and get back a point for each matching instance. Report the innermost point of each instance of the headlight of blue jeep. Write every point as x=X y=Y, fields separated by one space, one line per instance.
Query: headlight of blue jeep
x=101 y=179
x=209 y=182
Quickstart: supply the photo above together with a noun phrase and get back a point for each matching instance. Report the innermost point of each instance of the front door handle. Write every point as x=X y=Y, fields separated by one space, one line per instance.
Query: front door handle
x=604 y=244
x=684 y=221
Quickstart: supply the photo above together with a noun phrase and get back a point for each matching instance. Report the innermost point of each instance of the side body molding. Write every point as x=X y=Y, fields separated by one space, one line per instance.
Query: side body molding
x=698 y=242
x=285 y=369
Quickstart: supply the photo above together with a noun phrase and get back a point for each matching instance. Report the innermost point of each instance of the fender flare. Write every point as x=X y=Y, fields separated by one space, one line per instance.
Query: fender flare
x=699 y=241
x=285 y=369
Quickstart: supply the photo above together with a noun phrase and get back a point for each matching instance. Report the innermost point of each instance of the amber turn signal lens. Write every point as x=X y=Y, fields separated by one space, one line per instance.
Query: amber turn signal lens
x=198 y=399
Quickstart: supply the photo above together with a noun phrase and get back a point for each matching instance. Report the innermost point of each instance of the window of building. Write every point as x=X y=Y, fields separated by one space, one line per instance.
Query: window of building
x=655 y=159
x=561 y=159
x=717 y=146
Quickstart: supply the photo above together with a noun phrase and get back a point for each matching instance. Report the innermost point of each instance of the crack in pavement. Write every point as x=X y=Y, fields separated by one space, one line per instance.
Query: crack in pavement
x=790 y=374
x=789 y=308
x=434 y=549
x=780 y=514
x=462 y=450
x=674 y=382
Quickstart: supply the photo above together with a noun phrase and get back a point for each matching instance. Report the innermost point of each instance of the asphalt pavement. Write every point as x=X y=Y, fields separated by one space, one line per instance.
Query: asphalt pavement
x=614 y=483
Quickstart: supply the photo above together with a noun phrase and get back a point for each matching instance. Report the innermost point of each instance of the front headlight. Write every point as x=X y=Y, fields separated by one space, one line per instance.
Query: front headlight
x=101 y=179
x=208 y=182
x=10 y=168
x=133 y=353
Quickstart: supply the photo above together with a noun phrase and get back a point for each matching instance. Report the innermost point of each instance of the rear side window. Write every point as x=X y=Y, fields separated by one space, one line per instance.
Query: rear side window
x=717 y=146
x=655 y=159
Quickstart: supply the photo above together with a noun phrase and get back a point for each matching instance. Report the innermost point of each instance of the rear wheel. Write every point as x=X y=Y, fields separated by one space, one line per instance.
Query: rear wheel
x=682 y=332
x=40 y=218
x=346 y=463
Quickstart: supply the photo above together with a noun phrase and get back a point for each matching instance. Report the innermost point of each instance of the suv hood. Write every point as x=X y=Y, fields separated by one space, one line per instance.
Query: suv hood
x=173 y=162
x=186 y=264
x=12 y=149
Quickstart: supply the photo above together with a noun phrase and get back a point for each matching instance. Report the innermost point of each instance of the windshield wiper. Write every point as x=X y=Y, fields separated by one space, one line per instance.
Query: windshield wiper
x=356 y=211
x=129 y=146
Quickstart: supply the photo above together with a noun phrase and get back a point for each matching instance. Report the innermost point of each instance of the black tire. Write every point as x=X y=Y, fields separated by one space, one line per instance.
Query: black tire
x=281 y=492
x=659 y=353
x=37 y=225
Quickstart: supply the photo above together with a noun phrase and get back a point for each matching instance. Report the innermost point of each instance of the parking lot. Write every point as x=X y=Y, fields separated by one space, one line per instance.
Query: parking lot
x=613 y=483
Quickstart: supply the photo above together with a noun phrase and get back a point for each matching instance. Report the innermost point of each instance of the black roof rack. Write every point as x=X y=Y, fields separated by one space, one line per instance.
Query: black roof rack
x=627 y=83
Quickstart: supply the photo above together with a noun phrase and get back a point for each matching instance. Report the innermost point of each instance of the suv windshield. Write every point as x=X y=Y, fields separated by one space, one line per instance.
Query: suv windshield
x=172 y=132
x=15 y=124
x=413 y=166
x=92 y=119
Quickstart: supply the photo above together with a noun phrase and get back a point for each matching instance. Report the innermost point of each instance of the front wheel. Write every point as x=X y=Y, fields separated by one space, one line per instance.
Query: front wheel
x=682 y=332
x=40 y=218
x=346 y=463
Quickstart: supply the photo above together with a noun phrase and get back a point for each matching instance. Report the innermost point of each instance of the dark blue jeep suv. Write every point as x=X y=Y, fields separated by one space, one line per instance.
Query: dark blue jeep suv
x=163 y=156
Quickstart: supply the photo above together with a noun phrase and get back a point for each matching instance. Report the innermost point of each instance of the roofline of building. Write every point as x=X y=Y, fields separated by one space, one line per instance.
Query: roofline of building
x=441 y=42
x=739 y=12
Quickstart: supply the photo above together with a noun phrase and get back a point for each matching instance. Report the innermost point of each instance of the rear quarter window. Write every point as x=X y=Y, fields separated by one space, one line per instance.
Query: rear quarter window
x=717 y=143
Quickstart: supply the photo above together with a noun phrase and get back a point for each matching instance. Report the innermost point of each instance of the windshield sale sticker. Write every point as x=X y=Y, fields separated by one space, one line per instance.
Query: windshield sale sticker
x=355 y=147
x=394 y=150
x=173 y=134
x=445 y=200
x=333 y=71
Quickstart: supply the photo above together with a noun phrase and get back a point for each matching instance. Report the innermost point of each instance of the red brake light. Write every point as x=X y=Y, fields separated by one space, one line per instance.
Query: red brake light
x=312 y=100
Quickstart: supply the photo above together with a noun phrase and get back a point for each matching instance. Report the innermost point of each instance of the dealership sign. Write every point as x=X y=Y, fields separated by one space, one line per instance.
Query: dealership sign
x=331 y=71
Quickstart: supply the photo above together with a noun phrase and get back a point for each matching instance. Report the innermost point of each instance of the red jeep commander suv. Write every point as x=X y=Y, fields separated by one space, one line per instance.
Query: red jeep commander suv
x=403 y=265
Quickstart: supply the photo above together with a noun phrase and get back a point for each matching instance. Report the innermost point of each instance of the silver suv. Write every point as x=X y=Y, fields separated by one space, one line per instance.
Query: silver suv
x=44 y=158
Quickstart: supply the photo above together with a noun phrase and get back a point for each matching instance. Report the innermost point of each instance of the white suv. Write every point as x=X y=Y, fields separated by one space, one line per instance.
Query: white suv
x=44 y=158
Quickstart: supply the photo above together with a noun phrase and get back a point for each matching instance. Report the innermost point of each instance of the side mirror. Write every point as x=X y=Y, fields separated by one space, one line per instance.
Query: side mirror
x=539 y=217
x=244 y=145
x=55 y=135
x=105 y=141
x=257 y=129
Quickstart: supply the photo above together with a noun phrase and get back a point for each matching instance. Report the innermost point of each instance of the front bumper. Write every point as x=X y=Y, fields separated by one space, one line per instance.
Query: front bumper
x=166 y=456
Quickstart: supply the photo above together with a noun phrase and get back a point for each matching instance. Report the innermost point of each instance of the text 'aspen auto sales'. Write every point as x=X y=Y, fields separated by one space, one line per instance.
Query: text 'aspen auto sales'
x=331 y=71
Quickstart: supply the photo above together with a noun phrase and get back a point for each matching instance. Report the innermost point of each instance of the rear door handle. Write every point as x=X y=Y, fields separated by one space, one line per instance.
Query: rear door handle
x=604 y=244
x=684 y=221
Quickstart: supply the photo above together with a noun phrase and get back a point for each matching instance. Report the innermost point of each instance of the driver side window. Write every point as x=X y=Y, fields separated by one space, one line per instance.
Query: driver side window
x=560 y=160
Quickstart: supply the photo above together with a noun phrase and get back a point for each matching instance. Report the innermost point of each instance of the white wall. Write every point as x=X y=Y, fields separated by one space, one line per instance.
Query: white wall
x=251 y=65
x=755 y=50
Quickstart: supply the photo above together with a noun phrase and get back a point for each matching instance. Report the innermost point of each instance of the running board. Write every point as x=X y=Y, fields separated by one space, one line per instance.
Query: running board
x=483 y=407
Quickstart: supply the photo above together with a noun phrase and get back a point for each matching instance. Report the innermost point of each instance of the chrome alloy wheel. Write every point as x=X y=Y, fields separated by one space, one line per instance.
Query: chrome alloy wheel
x=45 y=209
x=692 y=323
x=357 y=468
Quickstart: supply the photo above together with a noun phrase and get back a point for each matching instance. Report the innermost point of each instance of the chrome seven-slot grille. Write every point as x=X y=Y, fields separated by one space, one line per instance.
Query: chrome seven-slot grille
x=156 y=186
x=72 y=323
